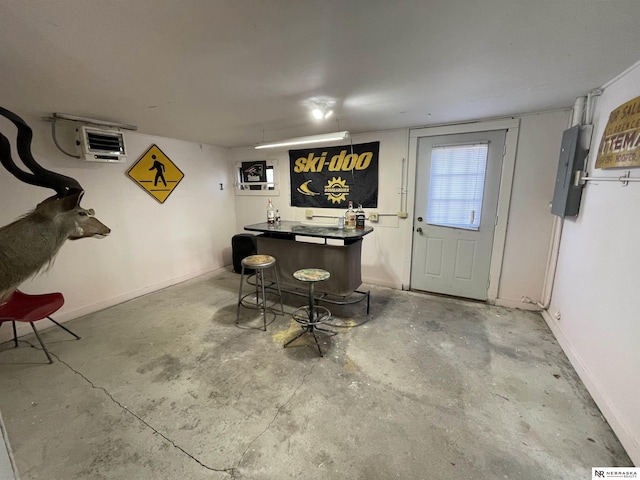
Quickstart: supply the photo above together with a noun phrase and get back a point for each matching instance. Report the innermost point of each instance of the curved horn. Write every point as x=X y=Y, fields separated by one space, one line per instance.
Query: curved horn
x=7 y=162
x=62 y=184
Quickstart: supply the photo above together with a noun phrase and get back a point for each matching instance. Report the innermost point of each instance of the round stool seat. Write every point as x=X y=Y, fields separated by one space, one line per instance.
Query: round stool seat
x=258 y=266
x=258 y=261
x=311 y=316
x=311 y=275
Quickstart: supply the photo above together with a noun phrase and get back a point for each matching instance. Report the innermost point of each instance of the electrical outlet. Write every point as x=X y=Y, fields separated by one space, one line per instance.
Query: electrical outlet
x=402 y=214
x=373 y=217
x=308 y=213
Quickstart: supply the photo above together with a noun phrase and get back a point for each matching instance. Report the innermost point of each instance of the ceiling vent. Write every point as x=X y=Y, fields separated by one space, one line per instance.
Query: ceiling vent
x=100 y=144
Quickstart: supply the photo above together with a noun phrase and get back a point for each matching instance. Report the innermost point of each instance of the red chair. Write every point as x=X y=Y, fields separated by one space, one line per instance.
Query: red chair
x=21 y=307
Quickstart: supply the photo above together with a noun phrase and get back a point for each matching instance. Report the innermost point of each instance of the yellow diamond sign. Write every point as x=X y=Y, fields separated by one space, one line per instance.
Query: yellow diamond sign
x=156 y=173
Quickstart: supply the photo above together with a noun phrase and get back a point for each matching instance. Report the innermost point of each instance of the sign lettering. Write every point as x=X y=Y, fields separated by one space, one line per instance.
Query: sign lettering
x=330 y=177
x=620 y=143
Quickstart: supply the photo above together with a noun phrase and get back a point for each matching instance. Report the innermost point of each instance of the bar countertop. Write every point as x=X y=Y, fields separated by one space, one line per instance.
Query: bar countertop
x=308 y=230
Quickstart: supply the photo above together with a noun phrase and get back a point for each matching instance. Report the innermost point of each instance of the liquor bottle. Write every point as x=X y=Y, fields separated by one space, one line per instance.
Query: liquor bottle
x=350 y=217
x=277 y=217
x=360 y=218
x=271 y=213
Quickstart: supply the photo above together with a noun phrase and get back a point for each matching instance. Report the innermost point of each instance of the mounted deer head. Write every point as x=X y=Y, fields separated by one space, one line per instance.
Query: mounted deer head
x=30 y=244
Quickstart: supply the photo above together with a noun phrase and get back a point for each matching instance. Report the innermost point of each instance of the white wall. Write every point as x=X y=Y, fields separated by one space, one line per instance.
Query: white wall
x=530 y=218
x=152 y=245
x=530 y=223
x=597 y=280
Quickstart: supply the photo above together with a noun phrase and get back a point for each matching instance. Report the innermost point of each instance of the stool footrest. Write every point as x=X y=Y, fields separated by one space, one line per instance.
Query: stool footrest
x=302 y=315
x=311 y=315
x=251 y=304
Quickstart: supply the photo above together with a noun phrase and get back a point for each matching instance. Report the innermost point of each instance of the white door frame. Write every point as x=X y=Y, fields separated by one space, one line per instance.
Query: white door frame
x=511 y=125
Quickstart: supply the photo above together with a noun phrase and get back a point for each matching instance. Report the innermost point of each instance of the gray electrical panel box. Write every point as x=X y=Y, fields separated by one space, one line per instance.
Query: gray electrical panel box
x=573 y=153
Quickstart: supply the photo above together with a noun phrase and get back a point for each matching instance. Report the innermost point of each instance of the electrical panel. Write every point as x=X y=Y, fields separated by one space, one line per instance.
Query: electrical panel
x=573 y=154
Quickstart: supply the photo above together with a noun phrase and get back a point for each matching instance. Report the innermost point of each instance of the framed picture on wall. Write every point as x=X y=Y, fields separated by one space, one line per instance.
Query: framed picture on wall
x=254 y=172
x=257 y=177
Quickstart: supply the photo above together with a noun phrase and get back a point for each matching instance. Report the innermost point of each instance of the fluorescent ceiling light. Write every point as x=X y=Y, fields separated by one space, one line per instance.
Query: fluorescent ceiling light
x=324 y=137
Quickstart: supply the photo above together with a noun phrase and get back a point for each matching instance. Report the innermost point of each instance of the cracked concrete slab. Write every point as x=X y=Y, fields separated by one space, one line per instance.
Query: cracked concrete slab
x=166 y=386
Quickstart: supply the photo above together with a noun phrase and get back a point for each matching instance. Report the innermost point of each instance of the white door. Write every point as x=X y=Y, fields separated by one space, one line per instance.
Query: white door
x=457 y=186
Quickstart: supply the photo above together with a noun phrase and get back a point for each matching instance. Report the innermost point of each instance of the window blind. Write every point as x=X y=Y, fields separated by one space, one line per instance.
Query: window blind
x=456 y=185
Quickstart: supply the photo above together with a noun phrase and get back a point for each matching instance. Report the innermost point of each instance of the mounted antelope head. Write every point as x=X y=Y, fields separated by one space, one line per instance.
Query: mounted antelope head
x=30 y=244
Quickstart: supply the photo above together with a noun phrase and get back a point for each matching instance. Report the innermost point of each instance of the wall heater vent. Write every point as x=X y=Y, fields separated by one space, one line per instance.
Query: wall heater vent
x=101 y=144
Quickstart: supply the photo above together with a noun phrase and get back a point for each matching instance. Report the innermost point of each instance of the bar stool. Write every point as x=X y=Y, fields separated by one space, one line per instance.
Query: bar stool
x=311 y=315
x=259 y=264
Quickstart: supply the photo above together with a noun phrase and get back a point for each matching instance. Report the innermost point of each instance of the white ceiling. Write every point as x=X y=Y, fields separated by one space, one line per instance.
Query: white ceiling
x=236 y=72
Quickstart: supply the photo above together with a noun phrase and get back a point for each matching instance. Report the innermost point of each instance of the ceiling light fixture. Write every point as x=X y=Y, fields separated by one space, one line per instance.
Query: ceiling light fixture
x=321 y=111
x=324 y=137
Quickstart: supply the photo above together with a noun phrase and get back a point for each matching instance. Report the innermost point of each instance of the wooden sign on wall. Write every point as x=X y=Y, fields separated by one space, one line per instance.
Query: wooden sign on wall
x=620 y=143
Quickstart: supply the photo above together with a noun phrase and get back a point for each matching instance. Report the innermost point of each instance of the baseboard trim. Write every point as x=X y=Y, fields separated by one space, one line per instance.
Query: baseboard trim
x=382 y=283
x=501 y=302
x=598 y=394
x=65 y=316
x=109 y=302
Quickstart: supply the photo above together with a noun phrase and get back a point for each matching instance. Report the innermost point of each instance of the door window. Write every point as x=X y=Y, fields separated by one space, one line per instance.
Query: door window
x=456 y=185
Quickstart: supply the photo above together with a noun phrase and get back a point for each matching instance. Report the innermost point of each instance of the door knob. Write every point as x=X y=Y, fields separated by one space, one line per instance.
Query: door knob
x=419 y=219
x=419 y=230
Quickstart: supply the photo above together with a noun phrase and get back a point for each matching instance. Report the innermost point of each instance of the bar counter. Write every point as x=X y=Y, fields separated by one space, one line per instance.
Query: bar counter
x=286 y=243
x=289 y=229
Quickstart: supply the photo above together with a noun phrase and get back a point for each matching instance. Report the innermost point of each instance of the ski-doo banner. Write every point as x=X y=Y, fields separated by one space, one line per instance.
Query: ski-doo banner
x=330 y=177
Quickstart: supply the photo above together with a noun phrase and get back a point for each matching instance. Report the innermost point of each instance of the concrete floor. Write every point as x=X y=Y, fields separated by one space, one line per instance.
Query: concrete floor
x=166 y=386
